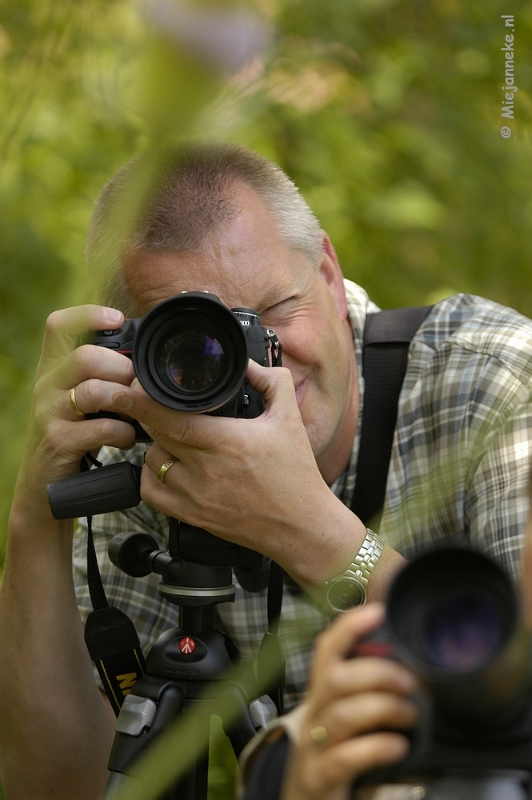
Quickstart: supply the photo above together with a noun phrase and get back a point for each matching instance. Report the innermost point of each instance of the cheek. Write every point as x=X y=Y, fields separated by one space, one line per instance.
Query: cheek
x=319 y=333
x=298 y=343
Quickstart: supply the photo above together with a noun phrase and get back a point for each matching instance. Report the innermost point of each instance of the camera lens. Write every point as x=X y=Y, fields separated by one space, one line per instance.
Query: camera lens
x=451 y=611
x=461 y=631
x=191 y=361
x=190 y=353
x=453 y=618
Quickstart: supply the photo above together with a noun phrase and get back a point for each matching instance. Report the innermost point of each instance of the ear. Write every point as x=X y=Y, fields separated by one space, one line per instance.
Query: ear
x=332 y=275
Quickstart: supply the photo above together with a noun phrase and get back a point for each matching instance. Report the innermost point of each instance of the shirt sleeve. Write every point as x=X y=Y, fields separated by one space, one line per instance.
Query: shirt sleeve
x=496 y=502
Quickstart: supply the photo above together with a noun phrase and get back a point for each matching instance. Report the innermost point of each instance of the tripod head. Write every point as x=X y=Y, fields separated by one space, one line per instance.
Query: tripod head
x=115 y=487
x=196 y=568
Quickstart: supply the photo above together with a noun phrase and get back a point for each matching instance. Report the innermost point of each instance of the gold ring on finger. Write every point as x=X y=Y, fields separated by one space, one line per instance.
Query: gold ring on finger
x=319 y=735
x=73 y=403
x=164 y=469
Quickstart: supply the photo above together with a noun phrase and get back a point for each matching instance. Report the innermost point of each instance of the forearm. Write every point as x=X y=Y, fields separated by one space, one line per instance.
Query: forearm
x=330 y=537
x=56 y=734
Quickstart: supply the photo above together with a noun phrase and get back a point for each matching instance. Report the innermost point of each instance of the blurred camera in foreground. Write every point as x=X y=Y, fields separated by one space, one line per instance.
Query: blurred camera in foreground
x=452 y=617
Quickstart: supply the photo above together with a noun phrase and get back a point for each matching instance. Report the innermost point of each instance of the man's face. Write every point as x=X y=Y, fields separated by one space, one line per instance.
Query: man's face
x=249 y=265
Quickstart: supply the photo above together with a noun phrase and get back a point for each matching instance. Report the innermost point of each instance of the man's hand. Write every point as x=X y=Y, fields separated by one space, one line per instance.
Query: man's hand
x=251 y=481
x=353 y=707
x=57 y=436
x=254 y=482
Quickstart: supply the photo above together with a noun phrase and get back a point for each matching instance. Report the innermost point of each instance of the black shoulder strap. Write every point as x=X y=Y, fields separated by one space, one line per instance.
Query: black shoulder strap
x=387 y=337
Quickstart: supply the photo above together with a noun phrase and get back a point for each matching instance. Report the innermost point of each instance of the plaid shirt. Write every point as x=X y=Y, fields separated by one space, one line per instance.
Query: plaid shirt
x=459 y=465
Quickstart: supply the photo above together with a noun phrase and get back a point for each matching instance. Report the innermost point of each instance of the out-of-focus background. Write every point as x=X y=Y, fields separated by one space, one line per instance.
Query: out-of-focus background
x=407 y=124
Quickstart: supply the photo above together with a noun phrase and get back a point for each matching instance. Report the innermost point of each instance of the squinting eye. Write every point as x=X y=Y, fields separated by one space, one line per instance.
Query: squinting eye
x=283 y=306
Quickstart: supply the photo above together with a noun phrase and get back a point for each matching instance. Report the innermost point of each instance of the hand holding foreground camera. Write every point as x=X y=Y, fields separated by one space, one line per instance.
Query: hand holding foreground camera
x=349 y=703
x=451 y=616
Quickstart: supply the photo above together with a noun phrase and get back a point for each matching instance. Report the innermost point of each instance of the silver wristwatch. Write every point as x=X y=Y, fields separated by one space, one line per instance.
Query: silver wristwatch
x=351 y=588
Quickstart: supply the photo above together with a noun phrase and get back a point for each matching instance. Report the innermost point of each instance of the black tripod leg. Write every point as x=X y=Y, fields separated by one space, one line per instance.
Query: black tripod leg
x=145 y=714
x=237 y=722
x=194 y=785
x=133 y=737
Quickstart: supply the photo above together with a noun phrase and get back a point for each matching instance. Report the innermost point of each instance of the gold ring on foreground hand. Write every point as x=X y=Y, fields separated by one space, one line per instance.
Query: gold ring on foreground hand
x=319 y=735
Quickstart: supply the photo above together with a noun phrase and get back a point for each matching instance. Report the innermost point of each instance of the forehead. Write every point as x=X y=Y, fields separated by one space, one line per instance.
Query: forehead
x=246 y=263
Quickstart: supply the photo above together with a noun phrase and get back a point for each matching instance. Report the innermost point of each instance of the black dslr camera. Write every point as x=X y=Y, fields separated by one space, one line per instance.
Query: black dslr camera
x=190 y=353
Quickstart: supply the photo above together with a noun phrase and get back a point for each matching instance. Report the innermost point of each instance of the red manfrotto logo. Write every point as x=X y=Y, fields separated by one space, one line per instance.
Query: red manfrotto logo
x=187 y=645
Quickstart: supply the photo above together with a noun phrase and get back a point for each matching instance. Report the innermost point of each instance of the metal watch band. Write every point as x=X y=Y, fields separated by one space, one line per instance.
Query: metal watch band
x=367 y=557
x=356 y=575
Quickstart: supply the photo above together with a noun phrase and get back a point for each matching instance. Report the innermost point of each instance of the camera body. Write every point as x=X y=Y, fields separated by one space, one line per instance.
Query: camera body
x=191 y=352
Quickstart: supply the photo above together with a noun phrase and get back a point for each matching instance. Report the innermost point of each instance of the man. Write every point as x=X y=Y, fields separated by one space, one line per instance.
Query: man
x=222 y=219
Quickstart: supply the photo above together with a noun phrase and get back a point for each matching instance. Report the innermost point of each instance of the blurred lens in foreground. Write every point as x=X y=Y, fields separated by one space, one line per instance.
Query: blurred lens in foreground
x=461 y=631
x=453 y=617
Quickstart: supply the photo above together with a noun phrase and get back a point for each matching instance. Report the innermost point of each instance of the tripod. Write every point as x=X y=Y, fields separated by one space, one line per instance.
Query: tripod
x=186 y=663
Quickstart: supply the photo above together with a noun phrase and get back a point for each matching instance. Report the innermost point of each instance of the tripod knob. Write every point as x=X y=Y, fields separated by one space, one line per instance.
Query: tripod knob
x=130 y=551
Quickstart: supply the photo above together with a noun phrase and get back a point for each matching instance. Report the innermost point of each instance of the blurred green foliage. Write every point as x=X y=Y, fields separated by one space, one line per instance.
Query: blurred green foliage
x=386 y=113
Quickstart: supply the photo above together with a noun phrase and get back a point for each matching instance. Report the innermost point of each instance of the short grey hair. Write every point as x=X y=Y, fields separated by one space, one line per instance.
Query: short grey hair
x=191 y=196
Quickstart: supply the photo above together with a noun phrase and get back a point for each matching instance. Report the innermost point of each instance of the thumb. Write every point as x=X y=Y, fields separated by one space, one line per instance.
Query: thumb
x=275 y=383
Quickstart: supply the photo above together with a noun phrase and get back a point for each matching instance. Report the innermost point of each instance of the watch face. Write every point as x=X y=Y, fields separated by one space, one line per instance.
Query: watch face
x=345 y=593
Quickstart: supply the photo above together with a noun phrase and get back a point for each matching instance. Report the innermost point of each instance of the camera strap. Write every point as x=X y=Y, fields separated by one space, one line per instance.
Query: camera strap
x=387 y=337
x=270 y=658
x=110 y=635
